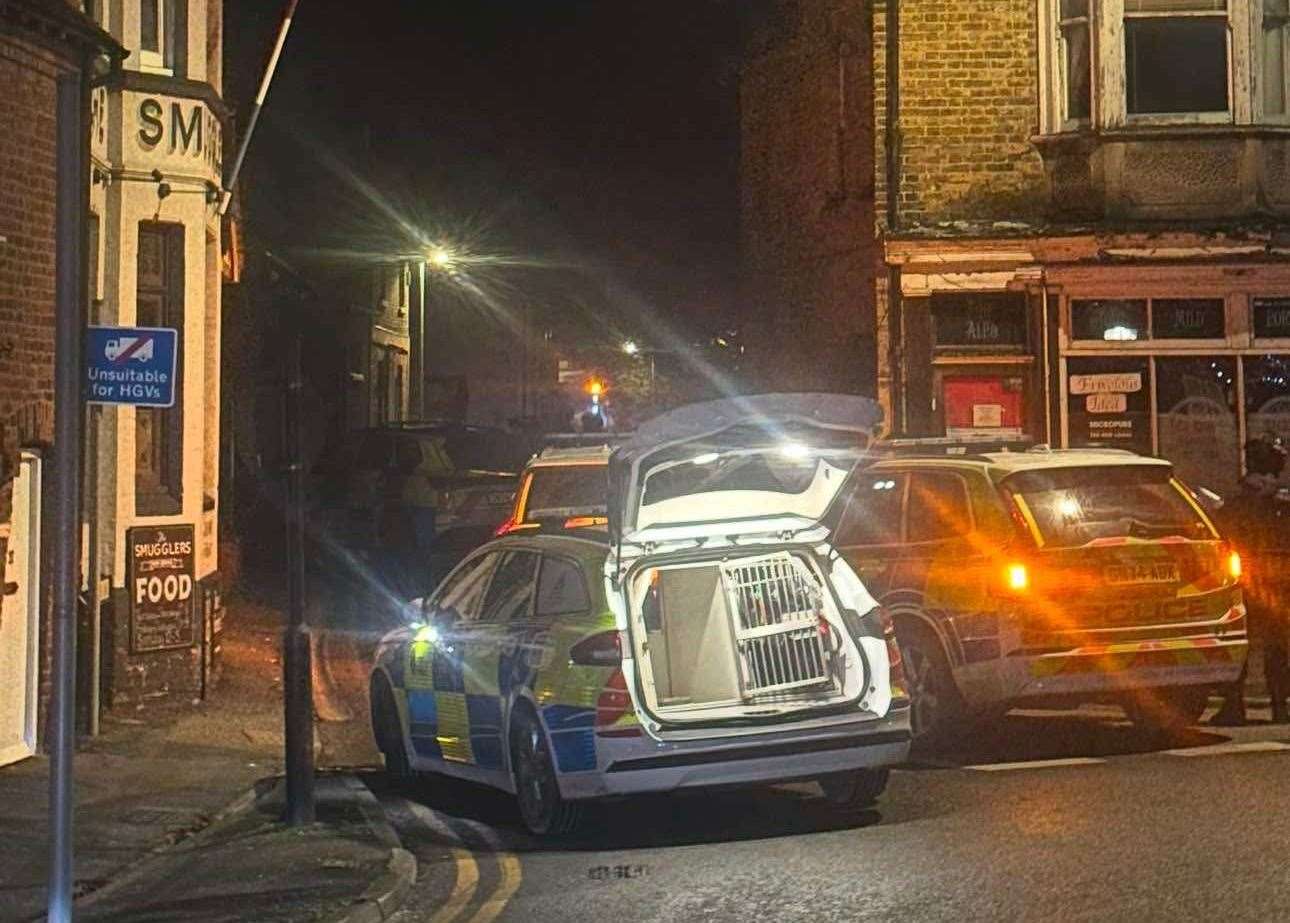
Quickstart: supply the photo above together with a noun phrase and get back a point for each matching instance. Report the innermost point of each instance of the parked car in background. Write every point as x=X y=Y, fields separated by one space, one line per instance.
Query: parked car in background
x=565 y=486
x=1044 y=576
x=711 y=637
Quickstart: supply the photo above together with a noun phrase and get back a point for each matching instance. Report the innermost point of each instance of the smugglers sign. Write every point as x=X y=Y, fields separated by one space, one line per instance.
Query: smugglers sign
x=160 y=583
x=180 y=126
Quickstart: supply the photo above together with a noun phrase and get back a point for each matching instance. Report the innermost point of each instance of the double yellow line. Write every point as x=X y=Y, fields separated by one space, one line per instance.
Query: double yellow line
x=466 y=883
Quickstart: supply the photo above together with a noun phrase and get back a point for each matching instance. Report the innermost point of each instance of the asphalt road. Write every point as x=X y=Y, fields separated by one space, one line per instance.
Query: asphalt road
x=1051 y=816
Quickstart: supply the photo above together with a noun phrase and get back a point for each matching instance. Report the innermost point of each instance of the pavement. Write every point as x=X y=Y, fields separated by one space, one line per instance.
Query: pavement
x=177 y=811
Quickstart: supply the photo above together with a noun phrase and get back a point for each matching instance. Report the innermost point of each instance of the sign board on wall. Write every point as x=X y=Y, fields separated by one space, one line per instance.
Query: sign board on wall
x=1108 y=403
x=159 y=574
x=130 y=365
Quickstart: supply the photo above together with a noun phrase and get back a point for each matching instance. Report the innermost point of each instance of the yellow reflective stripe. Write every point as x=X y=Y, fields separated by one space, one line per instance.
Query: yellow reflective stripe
x=1030 y=518
x=522 y=504
x=454 y=727
x=1178 y=486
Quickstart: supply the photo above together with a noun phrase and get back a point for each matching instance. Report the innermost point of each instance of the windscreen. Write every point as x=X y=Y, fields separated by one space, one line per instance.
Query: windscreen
x=1078 y=506
x=567 y=490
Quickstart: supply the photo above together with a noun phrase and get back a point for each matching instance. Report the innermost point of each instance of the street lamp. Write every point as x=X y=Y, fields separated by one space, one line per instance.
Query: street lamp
x=441 y=257
x=630 y=347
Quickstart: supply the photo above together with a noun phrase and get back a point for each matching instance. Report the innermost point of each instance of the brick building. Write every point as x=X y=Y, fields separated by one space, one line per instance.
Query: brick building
x=154 y=147
x=1080 y=213
x=42 y=42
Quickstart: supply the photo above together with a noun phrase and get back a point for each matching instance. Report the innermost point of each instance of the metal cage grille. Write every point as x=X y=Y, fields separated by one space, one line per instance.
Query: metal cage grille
x=775 y=605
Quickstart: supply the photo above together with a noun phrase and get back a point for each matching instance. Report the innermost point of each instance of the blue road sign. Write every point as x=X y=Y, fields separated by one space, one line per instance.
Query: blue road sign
x=130 y=365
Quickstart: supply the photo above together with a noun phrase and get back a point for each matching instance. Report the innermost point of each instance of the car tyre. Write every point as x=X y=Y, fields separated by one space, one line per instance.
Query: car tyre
x=389 y=735
x=937 y=712
x=543 y=810
x=854 y=790
x=1167 y=711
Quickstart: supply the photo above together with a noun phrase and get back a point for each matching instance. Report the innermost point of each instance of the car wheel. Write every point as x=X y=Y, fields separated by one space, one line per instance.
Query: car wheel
x=1167 y=710
x=542 y=809
x=855 y=790
x=936 y=707
x=389 y=735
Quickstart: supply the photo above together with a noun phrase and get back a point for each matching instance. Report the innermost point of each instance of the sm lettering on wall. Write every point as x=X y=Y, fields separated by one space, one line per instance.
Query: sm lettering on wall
x=182 y=127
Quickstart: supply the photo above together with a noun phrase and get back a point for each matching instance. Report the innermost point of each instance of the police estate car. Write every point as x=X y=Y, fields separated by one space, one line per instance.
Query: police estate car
x=713 y=637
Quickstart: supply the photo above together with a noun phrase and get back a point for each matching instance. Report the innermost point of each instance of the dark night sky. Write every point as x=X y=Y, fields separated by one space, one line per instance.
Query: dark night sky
x=597 y=132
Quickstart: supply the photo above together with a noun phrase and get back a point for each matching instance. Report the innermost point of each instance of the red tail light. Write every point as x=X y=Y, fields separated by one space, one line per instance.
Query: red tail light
x=895 y=663
x=504 y=528
x=613 y=703
x=602 y=650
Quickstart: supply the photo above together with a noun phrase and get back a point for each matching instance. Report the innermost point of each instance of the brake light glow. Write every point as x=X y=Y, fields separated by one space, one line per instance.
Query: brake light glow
x=599 y=650
x=1234 y=567
x=583 y=522
x=508 y=526
x=1016 y=577
x=895 y=663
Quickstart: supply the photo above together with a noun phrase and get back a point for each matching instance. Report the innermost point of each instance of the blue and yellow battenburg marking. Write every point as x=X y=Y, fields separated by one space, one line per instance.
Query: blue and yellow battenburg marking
x=454 y=700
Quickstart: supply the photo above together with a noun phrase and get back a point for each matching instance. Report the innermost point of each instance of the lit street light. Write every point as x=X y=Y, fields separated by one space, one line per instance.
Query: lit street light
x=631 y=348
x=441 y=257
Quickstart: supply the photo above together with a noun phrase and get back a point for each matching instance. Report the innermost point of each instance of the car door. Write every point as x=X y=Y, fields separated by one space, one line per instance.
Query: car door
x=870 y=531
x=435 y=676
x=487 y=648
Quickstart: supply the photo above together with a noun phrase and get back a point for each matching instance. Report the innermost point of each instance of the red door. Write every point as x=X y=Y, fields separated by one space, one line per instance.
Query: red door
x=984 y=405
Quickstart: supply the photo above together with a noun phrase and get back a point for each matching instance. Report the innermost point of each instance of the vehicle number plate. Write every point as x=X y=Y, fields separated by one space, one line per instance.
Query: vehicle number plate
x=1145 y=572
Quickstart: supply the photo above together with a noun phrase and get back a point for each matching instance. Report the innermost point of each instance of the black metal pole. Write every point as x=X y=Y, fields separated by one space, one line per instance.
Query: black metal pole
x=297 y=682
x=65 y=487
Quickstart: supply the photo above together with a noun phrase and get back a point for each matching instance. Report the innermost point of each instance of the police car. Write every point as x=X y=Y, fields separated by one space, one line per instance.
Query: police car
x=1020 y=574
x=713 y=637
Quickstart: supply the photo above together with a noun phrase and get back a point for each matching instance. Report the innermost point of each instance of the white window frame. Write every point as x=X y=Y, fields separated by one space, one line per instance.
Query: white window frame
x=1258 y=35
x=162 y=60
x=1063 y=71
x=1108 y=79
x=1214 y=117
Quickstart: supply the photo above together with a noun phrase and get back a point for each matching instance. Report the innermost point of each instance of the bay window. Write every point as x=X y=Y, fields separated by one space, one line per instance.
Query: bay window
x=1276 y=18
x=1115 y=63
x=1175 y=56
x=1077 y=62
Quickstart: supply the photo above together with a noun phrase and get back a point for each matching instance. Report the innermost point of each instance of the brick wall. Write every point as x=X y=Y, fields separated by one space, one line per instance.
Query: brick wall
x=968 y=107
x=27 y=177
x=28 y=167
x=807 y=193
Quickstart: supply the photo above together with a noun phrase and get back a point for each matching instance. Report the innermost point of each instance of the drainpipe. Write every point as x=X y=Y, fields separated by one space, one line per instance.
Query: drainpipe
x=891 y=142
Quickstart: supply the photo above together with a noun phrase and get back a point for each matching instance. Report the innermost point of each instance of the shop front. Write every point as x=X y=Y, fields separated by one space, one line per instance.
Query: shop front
x=1177 y=347
x=1184 y=362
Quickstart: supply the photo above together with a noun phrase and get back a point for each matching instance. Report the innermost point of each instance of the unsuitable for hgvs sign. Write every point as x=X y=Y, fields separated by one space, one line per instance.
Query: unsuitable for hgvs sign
x=160 y=575
x=131 y=365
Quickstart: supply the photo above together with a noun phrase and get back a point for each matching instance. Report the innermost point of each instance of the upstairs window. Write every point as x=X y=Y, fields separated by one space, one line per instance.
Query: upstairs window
x=1276 y=21
x=1076 y=60
x=163 y=36
x=1175 y=56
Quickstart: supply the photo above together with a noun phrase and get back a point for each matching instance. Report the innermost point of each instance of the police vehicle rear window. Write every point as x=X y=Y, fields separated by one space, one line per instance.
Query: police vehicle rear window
x=567 y=490
x=1071 y=507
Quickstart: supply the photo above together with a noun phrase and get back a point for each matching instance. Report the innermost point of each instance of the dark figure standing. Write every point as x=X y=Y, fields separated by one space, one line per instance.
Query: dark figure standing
x=1257 y=521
